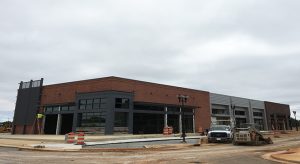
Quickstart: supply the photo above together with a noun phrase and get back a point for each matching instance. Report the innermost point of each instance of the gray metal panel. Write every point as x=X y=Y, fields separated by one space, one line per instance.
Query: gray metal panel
x=257 y=104
x=219 y=99
x=242 y=102
x=239 y=104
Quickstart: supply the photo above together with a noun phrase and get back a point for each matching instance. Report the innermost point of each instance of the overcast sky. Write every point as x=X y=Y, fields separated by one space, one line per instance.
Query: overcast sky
x=243 y=48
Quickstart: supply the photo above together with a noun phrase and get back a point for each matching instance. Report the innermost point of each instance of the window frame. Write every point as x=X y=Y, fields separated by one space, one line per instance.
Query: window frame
x=123 y=104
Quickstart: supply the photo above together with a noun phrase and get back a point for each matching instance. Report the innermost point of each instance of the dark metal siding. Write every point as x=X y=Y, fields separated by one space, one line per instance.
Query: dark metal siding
x=27 y=104
x=109 y=107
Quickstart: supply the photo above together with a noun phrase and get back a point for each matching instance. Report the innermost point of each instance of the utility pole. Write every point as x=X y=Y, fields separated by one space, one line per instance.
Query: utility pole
x=296 y=122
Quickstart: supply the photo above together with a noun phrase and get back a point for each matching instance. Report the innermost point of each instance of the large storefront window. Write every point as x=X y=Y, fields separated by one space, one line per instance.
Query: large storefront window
x=96 y=119
x=257 y=114
x=61 y=108
x=188 y=120
x=259 y=123
x=49 y=109
x=122 y=103
x=67 y=108
x=220 y=111
x=240 y=113
x=87 y=104
x=121 y=119
x=146 y=123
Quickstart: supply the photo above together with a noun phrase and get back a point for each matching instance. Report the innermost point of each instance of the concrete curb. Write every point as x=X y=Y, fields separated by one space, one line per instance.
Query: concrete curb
x=50 y=150
x=134 y=149
x=140 y=140
x=166 y=148
x=12 y=146
x=269 y=156
x=280 y=159
x=38 y=149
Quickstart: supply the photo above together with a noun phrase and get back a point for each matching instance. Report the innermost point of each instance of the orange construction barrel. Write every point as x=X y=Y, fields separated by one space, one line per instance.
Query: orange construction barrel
x=165 y=131
x=80 y=139
x=170 y=130
x=71 y=137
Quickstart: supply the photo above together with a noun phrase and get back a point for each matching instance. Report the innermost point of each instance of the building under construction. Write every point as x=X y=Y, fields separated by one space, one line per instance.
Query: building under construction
x=112 y=105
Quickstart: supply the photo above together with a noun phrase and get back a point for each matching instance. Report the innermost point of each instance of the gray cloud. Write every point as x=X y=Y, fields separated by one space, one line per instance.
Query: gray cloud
x=246 y=48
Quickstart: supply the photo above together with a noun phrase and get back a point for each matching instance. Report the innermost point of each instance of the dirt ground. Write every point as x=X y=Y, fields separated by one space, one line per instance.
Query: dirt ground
x=206 y=153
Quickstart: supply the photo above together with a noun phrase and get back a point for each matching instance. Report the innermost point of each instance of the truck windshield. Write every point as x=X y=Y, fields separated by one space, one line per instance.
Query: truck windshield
x=220 y=128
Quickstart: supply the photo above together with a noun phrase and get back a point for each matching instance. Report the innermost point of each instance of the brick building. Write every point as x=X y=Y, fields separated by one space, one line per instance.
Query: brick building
x=113 y=105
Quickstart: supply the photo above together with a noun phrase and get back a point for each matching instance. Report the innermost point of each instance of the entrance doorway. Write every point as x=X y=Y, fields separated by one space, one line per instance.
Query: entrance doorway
x=173 y=121
x=50 y=124
x=66 y=123
x=145 y=123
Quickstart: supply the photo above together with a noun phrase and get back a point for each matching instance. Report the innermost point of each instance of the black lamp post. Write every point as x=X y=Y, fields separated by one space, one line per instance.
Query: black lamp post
x=296 y=122
x=182 y=99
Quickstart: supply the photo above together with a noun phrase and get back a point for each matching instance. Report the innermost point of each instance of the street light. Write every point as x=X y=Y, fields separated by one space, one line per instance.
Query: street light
x=182 y=99
x=296 y=122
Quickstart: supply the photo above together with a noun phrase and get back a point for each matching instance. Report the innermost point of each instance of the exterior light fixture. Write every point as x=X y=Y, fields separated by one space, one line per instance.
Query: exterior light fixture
x=183 y=99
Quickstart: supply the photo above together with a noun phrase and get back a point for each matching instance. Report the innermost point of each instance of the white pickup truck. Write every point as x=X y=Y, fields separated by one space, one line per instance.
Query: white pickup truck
x=220 y=133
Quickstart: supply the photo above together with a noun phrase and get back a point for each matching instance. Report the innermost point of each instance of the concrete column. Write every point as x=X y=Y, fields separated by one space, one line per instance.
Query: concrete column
x=166 y=117
x=75 y=120
x=110 y=115
x=250 y=111
x=287 y=122
x=180 y=121
x=276 y=122
x=232 y=113
x=58 y=123
x=43 y=125
x=194 y=130
x=130 y=121
x=265 y=120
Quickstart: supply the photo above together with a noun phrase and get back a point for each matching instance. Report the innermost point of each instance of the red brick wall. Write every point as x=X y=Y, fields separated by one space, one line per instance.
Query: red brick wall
x=65 y=92
x=202 y=115
x=29 y=130
x=156 y=93
x=278 y=109
x=143 y=92
x=18 y=129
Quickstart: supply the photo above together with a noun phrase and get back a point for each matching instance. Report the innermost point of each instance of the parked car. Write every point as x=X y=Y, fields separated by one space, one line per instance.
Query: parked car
x=220 y=133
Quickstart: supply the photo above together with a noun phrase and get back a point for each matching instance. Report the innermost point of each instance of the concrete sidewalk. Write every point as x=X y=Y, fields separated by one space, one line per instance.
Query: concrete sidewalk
x=90 y=138
x=115 y=144
x=141 y=140
x=57 y=142
x=291 y=155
